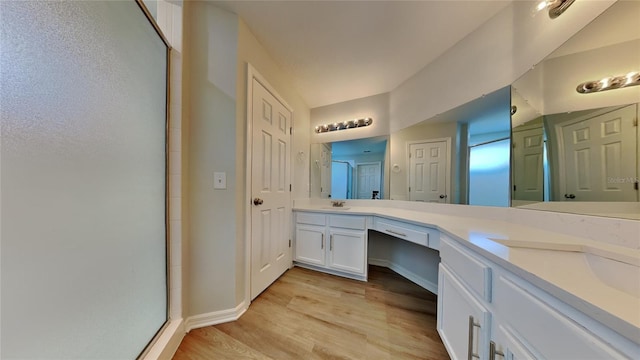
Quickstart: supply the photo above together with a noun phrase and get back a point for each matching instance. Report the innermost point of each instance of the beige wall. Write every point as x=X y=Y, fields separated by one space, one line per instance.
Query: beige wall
x=376 y=107
x=210 y=123
x=493 y=56
x=218 y=47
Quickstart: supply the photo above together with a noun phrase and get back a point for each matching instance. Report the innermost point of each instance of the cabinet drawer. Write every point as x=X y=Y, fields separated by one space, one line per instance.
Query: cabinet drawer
x=548 y=333
x=348 y=222
x=416 y=234
x=475 y=273
x=311 y=218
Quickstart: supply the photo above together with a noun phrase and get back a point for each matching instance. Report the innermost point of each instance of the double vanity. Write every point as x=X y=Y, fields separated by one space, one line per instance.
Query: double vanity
x=506 y=289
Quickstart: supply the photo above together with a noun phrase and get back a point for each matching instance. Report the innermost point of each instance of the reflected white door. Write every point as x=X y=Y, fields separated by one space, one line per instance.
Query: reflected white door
x=599 y=157
x=368 y=179
x=270 y=252
x=527 y=164
x=428 y=171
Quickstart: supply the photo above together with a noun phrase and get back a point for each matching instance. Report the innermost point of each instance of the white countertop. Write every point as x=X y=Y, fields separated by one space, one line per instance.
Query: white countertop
x=560 y=264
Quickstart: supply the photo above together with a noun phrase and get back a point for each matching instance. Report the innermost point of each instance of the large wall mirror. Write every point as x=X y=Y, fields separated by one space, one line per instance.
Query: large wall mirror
x=458 y=157
x=350 y=169
x=576 y=152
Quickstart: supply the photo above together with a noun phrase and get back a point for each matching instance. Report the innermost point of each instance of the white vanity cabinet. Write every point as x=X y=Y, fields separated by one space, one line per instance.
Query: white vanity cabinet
x=487 y=312
x=464 y=319
x=310 y=239
x=332 y=243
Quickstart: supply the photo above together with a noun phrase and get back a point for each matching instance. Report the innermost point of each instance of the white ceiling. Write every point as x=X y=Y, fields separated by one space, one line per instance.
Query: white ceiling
x=342 y=50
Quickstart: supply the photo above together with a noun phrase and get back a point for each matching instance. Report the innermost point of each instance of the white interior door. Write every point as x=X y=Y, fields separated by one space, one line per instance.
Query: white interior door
x=527 y=164
x=428 y=171
x=270 y=251
x=599 y=157
x=368 y=179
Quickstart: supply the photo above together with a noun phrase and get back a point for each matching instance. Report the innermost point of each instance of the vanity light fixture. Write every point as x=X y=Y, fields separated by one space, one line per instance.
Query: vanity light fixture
x=348 y=124
x=555 y=7
x=610 y=83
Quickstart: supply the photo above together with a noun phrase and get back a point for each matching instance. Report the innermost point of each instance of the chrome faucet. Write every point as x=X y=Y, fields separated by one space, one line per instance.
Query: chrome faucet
x=337 y=203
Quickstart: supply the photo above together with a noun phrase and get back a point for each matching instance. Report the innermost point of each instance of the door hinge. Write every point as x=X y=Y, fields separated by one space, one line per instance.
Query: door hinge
x=291 y=130
x=514 y=188
x=635 y=122
x=289 y=187
x=289 y=242
x=409 y=188
x=409 y=155
x=635 y=185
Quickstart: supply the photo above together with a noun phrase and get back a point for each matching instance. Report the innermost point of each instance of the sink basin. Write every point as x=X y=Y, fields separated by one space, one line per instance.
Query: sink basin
x=576 y=263
x=617 y=274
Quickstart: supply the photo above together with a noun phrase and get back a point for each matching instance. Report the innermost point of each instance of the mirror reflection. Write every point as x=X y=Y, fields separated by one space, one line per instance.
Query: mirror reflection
x=578 y=152
x=458 y=157
x=454 y=158
x=528 y=147
x=351 y=169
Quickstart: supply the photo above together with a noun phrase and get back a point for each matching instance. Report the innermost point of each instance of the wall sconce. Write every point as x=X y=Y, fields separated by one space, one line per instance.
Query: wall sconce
x=348 y=124
x=555 y=7
x=610 y=83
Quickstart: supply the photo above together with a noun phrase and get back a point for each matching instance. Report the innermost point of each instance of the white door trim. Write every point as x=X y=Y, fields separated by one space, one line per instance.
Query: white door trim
x=252 y=74
x=447 y=172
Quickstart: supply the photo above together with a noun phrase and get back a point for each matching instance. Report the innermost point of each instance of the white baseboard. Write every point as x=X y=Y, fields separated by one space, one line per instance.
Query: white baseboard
x=168 y=342
x=404 y=272
x=331 y=271
x=216 y=317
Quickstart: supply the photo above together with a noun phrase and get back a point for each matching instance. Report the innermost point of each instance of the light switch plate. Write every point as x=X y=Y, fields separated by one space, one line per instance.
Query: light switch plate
x=219 y=180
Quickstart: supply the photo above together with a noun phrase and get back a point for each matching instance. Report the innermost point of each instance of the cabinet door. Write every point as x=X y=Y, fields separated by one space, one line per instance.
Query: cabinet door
x=508 y=346
x=347 y=250
x=463 y=322
x=310 y=244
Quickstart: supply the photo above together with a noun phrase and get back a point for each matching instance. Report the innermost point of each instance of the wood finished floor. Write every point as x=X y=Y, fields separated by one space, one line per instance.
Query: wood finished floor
x=310 y=315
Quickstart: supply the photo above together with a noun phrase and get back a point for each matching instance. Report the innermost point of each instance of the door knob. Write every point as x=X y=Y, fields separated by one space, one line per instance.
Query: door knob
x=257 y=201
x=569 y=196
x=443 y=196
